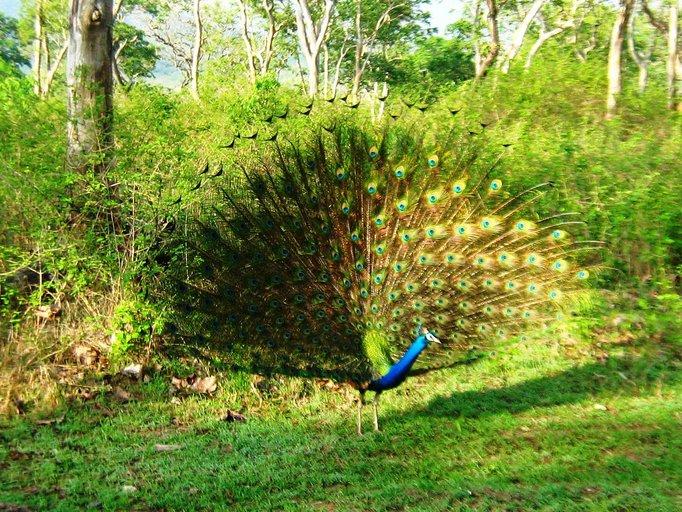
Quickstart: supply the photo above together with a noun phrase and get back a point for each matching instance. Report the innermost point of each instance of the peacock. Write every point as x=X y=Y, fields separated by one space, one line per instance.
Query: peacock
x=366 y=254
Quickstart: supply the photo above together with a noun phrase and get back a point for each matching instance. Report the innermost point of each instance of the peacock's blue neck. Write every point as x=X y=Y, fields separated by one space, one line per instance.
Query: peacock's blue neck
x=397 y=374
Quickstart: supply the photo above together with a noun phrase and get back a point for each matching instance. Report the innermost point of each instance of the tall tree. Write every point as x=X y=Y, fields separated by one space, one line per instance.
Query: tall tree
x=196 y=49
x=520 y=33
x=49 y=39
x=259 y=51
x=673 y=62
x=641 y=58
x=311 y=36
x=133 y=54
x=484 y=59
x=614 y=69
x=670 y=31
x=179 y=28
x=377 y=23
x=89 y=84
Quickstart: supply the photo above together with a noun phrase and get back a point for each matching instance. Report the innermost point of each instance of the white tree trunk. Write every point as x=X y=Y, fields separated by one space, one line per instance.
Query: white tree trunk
x=89 y=84
x=37 y=49
x=483 y=63
x=49 y=78
x=614 y=75
x=542 y=39
x=520 y=34
x=641 y=59
x=196 y=50
x=248 y=44
x=311 y=37
x=672 y=56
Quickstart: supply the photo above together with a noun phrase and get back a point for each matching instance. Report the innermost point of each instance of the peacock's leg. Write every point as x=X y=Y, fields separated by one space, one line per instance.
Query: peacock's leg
x=375 y=404
x=361 y=403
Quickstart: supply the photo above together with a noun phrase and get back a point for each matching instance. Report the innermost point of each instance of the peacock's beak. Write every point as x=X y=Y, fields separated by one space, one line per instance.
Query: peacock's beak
x=436 y=340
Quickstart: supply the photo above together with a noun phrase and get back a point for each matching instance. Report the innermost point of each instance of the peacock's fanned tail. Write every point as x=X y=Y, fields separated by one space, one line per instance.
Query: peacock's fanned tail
x=324 y=258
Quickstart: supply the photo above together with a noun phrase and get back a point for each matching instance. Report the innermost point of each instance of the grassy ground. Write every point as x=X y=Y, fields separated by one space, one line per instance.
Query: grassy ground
x=552 y=424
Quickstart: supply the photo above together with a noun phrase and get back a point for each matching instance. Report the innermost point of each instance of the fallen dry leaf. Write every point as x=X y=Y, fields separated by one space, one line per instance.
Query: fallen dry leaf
x=132 y=371
x=600 y=407
x=205 y=385
x=129 y=489
x=50 y=421
x=179 y=383
x=84 y=355
x=167 y=447
x=121 y=394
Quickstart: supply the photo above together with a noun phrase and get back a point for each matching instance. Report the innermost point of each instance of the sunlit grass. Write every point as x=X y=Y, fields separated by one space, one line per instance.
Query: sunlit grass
x=550 y=424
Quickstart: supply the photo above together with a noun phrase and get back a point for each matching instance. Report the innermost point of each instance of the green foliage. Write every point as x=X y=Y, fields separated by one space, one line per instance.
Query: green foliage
x=135 y=324
x=434 y=64
x=137 y=55
x=10 y=45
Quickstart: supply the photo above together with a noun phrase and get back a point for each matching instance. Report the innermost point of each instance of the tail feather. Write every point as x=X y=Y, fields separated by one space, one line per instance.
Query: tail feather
x=360 y=234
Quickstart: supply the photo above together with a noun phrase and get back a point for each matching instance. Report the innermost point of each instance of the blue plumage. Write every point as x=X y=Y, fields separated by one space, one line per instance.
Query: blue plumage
x=399 y=371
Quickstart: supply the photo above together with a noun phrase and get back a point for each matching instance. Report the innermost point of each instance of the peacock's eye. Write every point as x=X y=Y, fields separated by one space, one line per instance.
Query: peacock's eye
x=341 y=175
x=373 y=152
x=399 y=172
x=432 y=161
x=520 y=226
x=559 y=265
x=495 y=185
x=582 y=274
x=372 y=188
x=461 y=230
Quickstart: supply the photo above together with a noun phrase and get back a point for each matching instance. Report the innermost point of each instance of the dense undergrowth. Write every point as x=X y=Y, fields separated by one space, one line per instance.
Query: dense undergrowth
x=75 y=257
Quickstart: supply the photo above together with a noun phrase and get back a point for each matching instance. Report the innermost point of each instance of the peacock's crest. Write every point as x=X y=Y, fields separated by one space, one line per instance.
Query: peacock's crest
x=325 y=258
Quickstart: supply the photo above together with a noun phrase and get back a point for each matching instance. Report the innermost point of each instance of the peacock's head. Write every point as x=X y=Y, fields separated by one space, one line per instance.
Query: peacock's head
x=427 y=337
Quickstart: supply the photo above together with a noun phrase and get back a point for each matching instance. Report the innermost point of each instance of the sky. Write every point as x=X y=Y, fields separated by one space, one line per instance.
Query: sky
x=10 y=7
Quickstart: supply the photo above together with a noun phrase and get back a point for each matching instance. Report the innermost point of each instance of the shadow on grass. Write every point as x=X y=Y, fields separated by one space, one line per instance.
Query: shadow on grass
x=632 y=375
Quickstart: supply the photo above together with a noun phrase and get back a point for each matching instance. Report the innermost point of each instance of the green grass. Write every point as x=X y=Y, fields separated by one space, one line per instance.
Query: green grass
x=516 y=430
